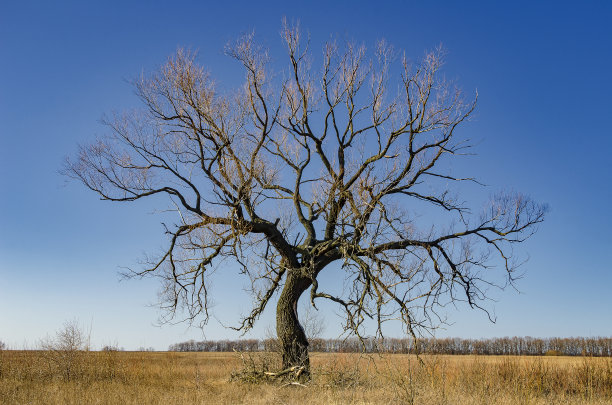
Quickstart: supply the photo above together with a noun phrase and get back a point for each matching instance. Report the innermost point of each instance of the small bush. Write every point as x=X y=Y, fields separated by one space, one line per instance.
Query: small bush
x=256 y=367
x=64 y=352
x=2 y=348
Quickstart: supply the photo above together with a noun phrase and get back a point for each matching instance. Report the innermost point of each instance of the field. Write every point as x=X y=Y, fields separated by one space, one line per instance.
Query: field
x=30 y=377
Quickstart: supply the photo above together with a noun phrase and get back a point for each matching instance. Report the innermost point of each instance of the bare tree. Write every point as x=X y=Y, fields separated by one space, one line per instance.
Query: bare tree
x=313 y=323
x=300 y=169
x=64 y=351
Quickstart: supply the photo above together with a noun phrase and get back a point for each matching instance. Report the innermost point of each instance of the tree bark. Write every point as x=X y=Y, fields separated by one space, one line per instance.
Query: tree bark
x=290 y=333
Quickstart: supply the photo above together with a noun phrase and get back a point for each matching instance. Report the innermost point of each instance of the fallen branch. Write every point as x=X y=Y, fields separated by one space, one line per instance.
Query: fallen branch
x=294 y=383
x=295 y=369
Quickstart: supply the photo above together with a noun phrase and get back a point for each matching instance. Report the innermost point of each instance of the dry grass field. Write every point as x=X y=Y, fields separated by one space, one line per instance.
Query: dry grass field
x=29 y=377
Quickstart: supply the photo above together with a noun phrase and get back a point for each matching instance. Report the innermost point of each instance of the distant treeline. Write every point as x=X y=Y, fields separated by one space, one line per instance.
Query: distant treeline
x=519 y=346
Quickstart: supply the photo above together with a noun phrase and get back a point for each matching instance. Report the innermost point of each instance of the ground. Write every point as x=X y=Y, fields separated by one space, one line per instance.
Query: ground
x=204 y=378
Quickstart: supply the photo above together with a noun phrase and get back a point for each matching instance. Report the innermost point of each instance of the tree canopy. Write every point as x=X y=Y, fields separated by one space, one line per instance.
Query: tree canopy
x=346 y=161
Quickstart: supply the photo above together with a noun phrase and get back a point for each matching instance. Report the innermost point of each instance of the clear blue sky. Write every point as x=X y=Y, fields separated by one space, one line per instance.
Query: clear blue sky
x=542 y=125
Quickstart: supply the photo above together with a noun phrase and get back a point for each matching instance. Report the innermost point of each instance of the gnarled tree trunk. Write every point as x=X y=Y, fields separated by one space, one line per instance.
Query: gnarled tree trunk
x=291 y=335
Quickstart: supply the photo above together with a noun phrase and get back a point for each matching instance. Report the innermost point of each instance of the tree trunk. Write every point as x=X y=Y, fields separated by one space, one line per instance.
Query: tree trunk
x=291 y=335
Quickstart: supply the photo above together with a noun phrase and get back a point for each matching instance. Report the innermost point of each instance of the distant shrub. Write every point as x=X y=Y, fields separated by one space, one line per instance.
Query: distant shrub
x=2 y=348
x=64 y=351
x=553 y=353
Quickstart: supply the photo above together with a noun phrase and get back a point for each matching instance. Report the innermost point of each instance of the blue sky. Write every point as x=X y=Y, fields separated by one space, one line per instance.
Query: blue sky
x=542 y=126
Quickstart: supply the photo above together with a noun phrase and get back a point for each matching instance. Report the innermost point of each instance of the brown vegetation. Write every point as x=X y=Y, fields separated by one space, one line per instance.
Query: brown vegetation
x=111 y=377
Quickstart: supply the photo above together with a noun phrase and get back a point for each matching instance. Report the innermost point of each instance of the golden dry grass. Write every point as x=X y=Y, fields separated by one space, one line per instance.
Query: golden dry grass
x=204 y=378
